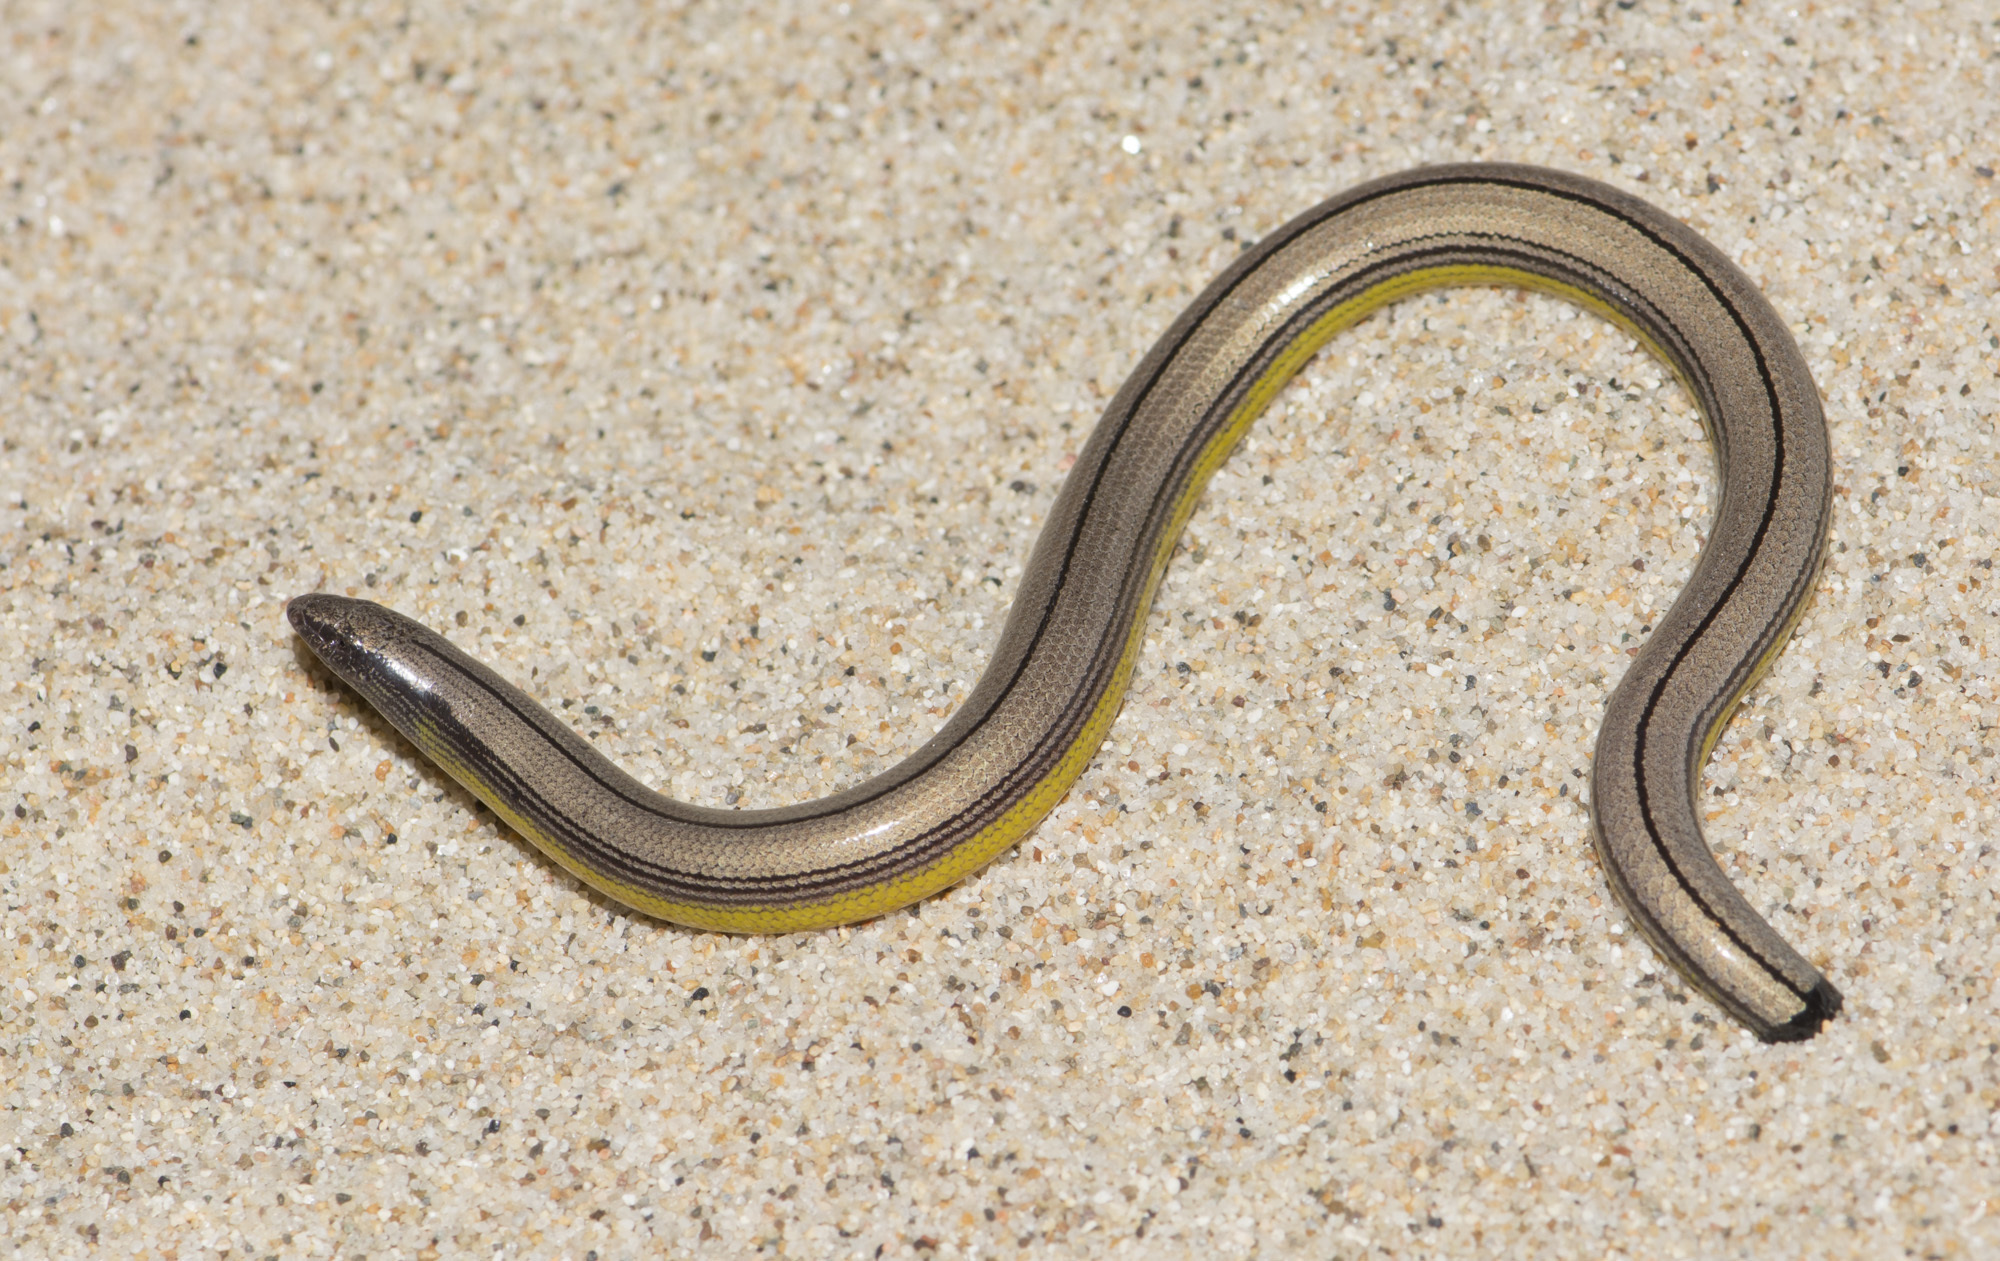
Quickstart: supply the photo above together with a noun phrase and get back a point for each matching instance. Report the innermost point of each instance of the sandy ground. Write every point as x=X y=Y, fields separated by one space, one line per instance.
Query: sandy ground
x=675 y=361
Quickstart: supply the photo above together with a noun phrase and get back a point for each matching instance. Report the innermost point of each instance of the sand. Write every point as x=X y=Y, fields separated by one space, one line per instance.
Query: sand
x=675 y=360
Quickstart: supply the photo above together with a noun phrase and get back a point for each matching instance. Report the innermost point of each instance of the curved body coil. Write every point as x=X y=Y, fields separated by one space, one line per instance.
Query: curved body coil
x=1058 y=676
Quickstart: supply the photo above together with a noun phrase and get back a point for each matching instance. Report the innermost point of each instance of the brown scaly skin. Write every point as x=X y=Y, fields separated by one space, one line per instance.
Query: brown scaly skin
x=1058 y=675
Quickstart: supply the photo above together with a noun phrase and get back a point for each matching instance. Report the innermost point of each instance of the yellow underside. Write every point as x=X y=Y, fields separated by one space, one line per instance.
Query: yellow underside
x=1034 y=805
